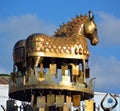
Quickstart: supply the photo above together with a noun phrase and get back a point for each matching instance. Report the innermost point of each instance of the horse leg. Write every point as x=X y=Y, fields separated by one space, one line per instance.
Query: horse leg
x=84 y=70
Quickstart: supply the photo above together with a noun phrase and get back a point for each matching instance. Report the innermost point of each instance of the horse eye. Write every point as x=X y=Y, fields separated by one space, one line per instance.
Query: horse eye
x=95 y=29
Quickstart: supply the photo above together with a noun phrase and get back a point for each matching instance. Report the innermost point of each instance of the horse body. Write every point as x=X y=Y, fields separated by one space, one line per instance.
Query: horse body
x=57 y=46
x=40 y=56
x=68 y=42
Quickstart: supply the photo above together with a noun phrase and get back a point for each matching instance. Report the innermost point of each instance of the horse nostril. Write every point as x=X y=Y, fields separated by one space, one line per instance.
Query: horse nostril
x=94 y=41
x=97 y=40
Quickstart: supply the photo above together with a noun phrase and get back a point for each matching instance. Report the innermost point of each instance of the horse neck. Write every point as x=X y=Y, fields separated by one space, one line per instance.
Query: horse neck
x=76 y=30
x=73 y=27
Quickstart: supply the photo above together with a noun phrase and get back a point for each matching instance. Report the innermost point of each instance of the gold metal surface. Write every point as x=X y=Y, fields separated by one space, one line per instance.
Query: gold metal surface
x=32 y=100
x=54 y=65
x=64 y=69
x=53 y=69
x=76 y=100
x=65 y=108
x=71 y=45
x=19 y=55
x=40 y=76
x=65 y=48
x=59 y=100
x=68 y=101
x=65 y=80
x=41 y=68
x=75 y=69
x=89 y=27
x=89 y=105
x=50 y=100
x=41 y=102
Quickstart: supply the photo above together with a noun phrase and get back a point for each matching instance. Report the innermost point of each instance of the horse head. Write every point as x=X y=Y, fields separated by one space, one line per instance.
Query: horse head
x=90 y=29
x=81 y=25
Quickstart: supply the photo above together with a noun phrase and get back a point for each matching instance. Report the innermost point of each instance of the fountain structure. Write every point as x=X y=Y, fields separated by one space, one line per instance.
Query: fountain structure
x=50 y=73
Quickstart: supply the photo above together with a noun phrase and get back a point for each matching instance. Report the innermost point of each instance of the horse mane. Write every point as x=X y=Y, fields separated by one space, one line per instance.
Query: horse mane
x=72 y=27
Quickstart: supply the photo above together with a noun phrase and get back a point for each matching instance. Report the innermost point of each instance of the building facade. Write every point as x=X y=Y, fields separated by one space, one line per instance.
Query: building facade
x=4 y=80
x=98 y=96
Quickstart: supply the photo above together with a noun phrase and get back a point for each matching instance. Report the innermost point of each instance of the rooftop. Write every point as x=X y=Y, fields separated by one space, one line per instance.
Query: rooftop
x=4 y=79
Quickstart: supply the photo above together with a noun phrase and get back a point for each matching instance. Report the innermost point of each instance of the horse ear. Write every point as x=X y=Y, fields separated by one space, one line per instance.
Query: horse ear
x=91 y=16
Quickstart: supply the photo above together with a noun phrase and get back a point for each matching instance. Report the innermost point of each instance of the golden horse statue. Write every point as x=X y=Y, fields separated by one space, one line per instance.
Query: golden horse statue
x=66 y=50
x=68 y=42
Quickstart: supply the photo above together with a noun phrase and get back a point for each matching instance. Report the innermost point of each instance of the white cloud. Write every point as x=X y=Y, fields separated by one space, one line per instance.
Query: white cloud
x=104 y=61
x=17 y=28
x=107 y=73
x=2 y=71
x=109 y=29
x=25 y=25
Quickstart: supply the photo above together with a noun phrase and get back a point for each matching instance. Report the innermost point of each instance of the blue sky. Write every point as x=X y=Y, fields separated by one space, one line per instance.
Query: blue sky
x=20 y=18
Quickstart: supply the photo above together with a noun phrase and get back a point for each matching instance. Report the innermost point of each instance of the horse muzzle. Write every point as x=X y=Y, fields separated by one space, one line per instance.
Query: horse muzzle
x=94 y=41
